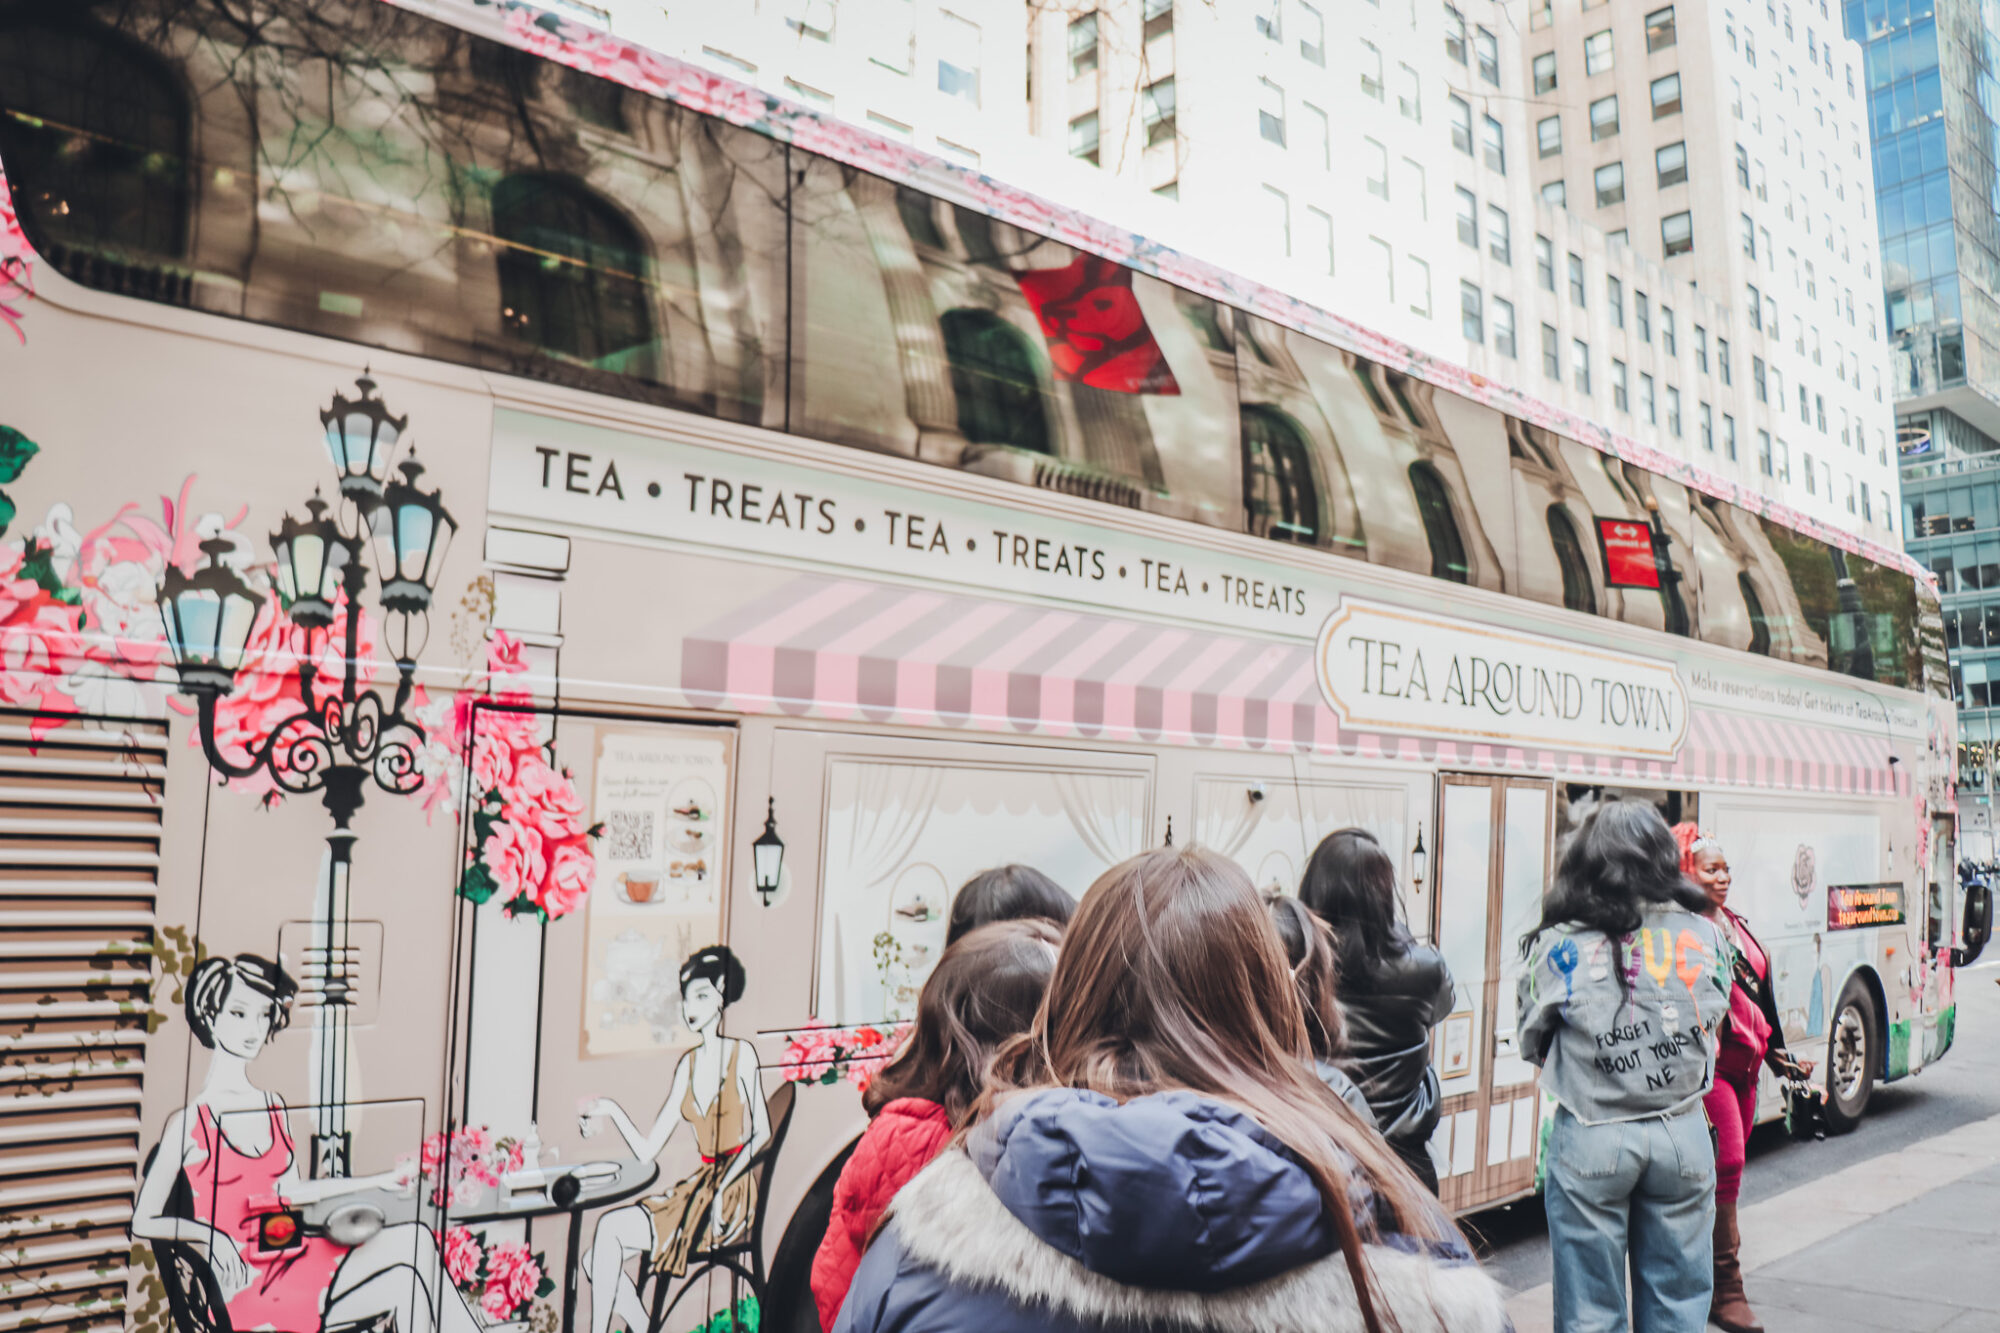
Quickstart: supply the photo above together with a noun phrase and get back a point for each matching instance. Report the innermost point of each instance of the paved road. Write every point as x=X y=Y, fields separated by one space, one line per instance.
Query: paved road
x=1962 y=1088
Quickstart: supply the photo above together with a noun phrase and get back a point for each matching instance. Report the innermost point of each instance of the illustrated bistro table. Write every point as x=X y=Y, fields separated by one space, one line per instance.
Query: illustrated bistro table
x=520 y=1198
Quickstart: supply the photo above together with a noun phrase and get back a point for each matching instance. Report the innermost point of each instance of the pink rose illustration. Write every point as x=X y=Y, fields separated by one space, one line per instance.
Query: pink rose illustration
x=492 y=764
x=543 y=798
x=572 y=871
x=515 y=857
x=462 y=1255
x=495 y=1303
x=512 y=1268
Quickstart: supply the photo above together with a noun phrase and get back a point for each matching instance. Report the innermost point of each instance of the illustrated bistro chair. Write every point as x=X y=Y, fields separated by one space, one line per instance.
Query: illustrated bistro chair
x=743 y=1260
x=194 y=1297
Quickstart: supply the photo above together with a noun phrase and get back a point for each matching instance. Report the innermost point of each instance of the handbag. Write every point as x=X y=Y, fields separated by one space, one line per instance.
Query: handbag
x=1805 y=1110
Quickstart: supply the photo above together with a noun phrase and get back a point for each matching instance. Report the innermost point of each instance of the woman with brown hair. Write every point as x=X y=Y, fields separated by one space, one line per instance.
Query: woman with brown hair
x=985 y=990
x=1309 y=948
x=1156 y=1152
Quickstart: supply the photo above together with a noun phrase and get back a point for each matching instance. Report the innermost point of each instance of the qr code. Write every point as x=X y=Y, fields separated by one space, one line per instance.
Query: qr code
x=631 y=835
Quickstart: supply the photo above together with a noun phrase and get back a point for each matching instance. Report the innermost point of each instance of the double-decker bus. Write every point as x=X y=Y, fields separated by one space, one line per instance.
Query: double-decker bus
x=532 y=573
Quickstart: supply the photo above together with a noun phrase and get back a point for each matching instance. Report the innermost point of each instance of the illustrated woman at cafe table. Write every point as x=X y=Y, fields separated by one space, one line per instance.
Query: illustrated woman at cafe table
x=716 y=1090
x=231 y=1148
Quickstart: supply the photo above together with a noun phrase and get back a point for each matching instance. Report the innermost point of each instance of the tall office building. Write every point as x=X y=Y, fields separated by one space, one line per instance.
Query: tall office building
x=1929 y=74
x=1730 y=141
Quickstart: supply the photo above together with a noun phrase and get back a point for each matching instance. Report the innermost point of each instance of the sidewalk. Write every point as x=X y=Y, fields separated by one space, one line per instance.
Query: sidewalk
x=1908 y=1242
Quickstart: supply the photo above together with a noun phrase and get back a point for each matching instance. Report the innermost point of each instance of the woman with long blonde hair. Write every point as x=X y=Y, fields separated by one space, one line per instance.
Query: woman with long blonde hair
x=1157 y=1152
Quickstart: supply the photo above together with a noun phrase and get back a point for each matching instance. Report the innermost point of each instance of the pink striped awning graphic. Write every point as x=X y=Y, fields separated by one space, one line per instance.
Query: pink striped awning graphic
x=845 y=649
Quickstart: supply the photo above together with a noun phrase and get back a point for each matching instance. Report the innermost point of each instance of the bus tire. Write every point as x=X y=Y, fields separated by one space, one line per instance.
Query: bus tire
x=1853 y=1050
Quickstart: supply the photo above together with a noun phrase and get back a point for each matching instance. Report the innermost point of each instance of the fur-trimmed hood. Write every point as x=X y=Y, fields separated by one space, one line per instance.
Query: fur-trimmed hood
x=1071 y=1212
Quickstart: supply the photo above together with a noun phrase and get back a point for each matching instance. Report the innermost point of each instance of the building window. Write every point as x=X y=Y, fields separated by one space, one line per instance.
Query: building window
x=1461 y=124
x=1610 y=180
x=1487 y=47
x=993 y=376
x=1706 y=416
x=1742 y=166
x=1812 y=475
x=1756 y=307
x=1667 y=338
x=1642 y=312
x=1670 y=161
x=1377 y=165
x=1271 y=20
x=573 y=272
x=1660 y=32
x=1647 y=406
x=1729 y=436
x=1701 y=349
x=1620 y=388
x=1759 y=380
x=1551 y=353
x=1604 y=118
x=1549 y=136
x=1440 y=524
x=1371 y=84
x=1454 y=33
x=1409 y=97
x=1722 y=360
x=1576 y=293
x=1499 y=239
x=1159 y=110
x=1278 y=209
x=1503 y=327
x=1666 y=96
x=1083 y=137
x=1158 y=16
x=1271 y=112
x=1677 y=234
x=1556 y=194
x=1471 y=313
x=1312 y=35
x=1764 y=452
x=1496 y=146
x=1083 y=46
x=1579 y=364
x=1279 y=493
x=958 y=62
x=1545 y=72
x=1579 y=593
x=1323 y=236
x=1545 y=263
x=1597 y=52
x=1614 y=300
x=1468 y=217
x=1420 y=280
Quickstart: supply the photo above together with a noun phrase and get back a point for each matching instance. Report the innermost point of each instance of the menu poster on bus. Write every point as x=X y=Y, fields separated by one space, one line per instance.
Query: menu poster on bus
x=1629 y=558
x=661 y=793
x=1850 y=906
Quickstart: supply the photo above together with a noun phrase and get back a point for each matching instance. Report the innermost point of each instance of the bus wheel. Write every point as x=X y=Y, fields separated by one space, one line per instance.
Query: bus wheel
x=1851 y=1056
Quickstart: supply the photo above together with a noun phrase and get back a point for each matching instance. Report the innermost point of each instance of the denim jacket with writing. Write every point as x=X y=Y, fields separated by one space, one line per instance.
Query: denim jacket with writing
x=1646 y=1047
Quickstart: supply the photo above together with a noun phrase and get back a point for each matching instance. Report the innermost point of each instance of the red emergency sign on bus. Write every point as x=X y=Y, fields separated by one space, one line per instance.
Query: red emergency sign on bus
x=1629 y=561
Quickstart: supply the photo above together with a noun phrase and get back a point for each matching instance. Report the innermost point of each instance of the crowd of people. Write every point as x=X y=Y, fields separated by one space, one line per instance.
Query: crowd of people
x=1180 y=1103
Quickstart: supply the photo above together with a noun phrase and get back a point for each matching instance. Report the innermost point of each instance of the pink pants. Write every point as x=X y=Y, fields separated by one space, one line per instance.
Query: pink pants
x=1732 y=1108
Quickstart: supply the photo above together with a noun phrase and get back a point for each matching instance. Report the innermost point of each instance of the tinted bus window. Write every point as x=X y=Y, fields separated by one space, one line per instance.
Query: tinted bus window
x=416 y=188
x=929 y=330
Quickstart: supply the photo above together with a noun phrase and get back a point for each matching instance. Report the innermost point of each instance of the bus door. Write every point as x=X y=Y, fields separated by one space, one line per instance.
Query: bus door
x=1493 y=860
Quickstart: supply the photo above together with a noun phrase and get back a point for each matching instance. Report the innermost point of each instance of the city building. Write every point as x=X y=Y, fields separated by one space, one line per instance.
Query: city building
x=1427 y=169
x=1729 y=143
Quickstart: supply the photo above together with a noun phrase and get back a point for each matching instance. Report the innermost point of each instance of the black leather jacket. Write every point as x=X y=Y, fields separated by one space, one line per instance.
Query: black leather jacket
x=1390 y=1013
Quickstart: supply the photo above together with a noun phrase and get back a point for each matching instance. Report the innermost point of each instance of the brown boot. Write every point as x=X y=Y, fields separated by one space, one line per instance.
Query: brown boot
x=1728 y=1308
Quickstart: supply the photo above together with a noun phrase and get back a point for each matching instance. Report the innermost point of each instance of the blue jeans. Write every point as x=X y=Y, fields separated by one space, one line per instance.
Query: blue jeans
x=1643 y=1186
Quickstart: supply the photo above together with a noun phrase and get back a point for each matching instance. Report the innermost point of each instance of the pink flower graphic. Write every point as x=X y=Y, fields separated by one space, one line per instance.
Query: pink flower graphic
x=512 y=1269
x=572 y=870
x=494 y=1301
x=543 y=799
x=462 y=1256
x=516 y=860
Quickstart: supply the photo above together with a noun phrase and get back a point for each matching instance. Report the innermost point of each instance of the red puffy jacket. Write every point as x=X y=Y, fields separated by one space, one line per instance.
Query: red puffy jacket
x=902 y=1139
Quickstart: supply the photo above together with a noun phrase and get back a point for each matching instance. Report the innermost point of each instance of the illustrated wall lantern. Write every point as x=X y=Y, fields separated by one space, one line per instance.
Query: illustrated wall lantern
x=411 y=538
x=208 y=617
x=1419 y=861
x=313 y=556
x=360 y=437
x=767 y=854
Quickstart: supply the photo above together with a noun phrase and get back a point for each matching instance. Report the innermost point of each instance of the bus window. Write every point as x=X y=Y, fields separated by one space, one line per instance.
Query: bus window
x=1748 y=599
x=424 y=190
x=940 y=333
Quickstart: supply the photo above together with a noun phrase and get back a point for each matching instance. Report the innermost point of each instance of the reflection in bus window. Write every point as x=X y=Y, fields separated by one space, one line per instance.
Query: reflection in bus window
x=572 y=273
x=1279 y=493
x=1440 y=524
x=1578 y=595
x=99 y=125
x=1753 y=606
x=993 y=375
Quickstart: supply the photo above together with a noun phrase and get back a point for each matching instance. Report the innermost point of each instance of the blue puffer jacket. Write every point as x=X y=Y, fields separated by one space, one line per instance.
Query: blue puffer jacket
x=1069 y=1212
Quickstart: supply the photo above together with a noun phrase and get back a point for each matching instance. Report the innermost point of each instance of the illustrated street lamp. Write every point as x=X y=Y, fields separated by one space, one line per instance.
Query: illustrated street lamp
x=338 y=747
x=767 y=854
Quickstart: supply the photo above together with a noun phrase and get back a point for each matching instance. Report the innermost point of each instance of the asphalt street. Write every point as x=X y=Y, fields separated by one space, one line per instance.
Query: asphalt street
x=1960 y=1089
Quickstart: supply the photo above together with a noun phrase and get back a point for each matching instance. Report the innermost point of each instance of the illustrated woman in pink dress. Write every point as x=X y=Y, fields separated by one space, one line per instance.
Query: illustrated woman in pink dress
x=236 y=1154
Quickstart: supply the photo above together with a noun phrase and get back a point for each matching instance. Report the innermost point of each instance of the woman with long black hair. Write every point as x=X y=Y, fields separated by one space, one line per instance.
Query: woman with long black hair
x=1393 y=991
x=1625 y=984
